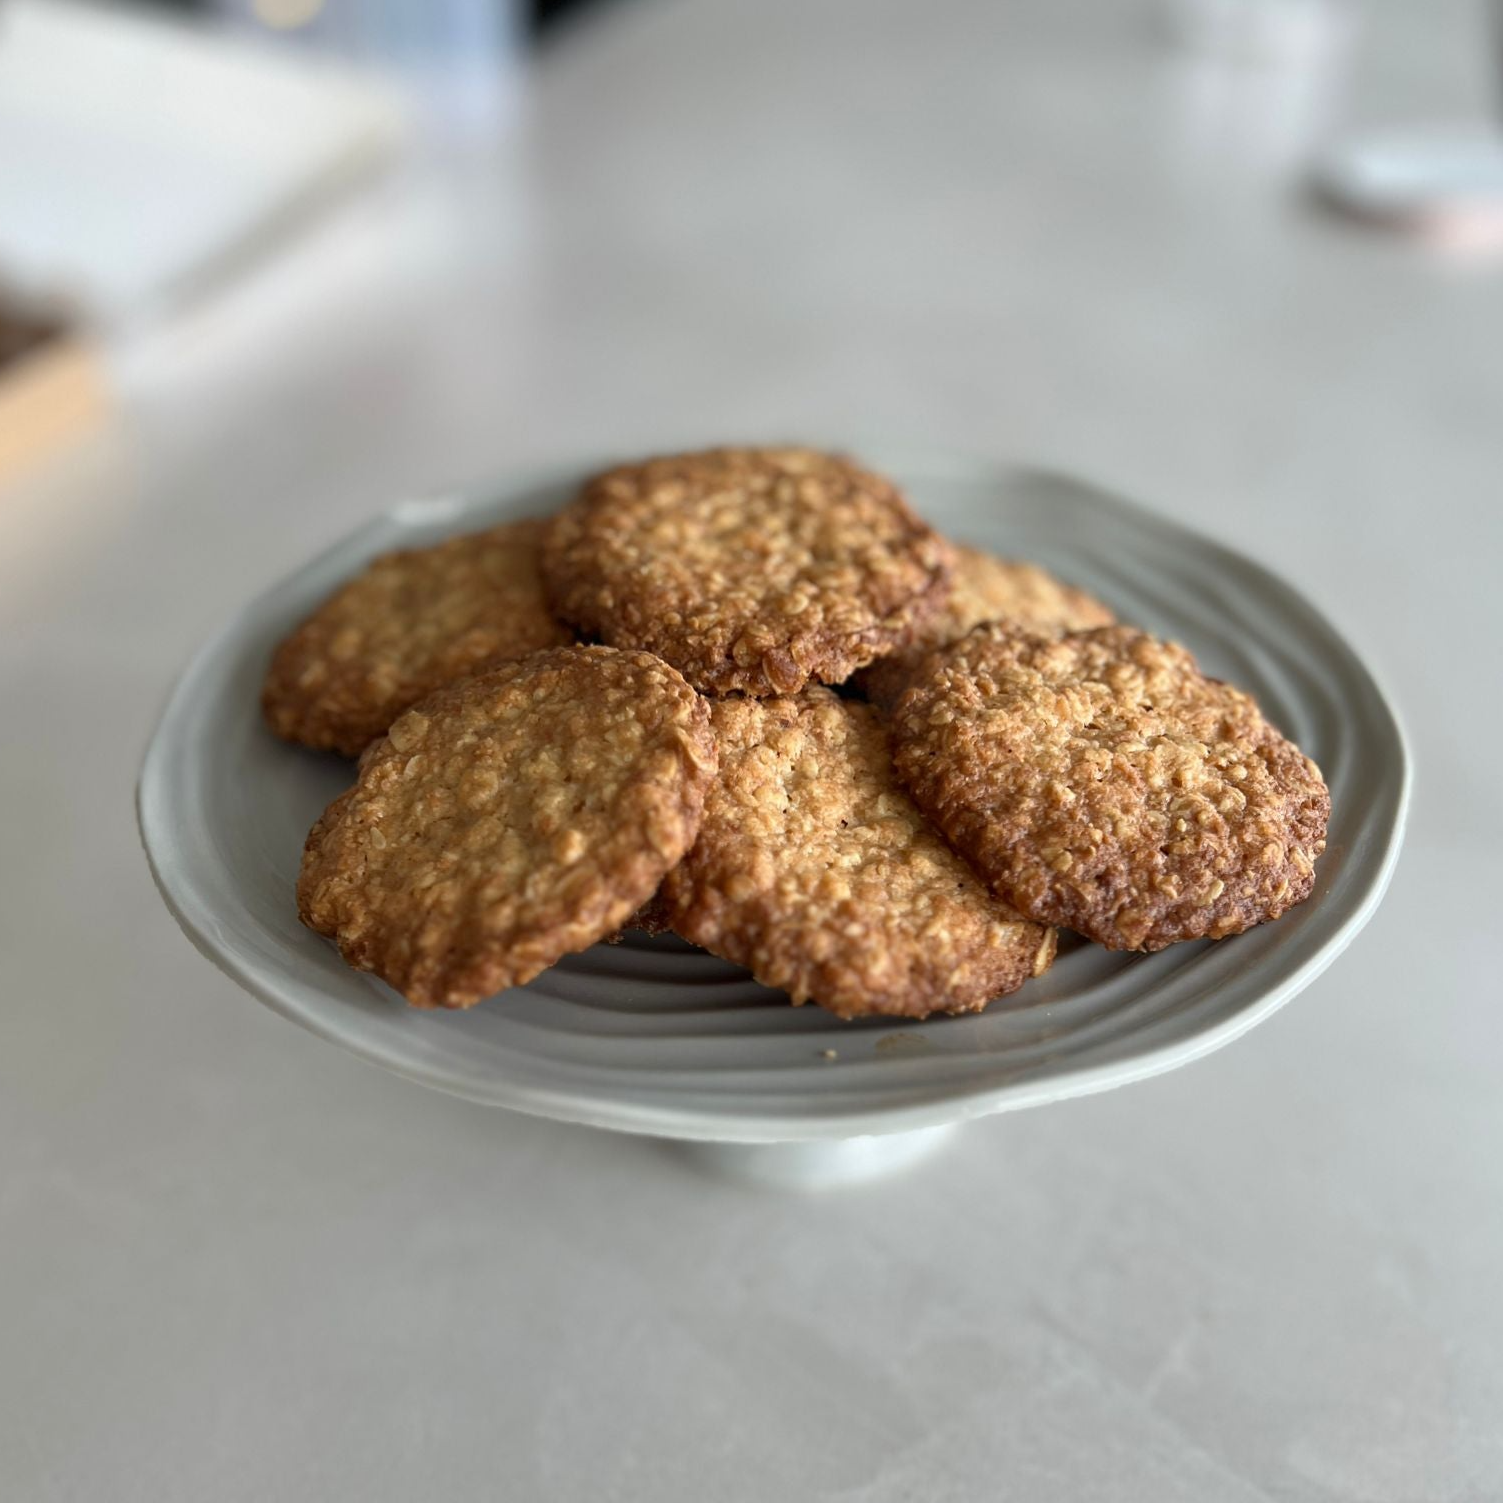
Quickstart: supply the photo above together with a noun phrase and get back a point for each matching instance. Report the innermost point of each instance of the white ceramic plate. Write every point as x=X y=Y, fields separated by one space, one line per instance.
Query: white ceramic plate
x=651 y=1036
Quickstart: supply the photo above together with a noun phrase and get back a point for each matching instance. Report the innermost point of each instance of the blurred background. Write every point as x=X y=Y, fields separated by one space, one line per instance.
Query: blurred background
x=267 y=266
x=458 y=220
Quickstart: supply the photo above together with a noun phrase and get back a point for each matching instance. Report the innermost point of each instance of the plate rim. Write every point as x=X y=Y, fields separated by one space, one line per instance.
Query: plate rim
x=936 y=1105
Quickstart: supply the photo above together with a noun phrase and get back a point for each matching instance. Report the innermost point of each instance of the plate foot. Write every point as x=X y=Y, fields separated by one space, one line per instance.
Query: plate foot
x=821 y=1164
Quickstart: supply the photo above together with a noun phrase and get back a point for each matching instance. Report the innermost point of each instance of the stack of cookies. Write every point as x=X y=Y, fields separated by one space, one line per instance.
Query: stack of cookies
x=748 y=696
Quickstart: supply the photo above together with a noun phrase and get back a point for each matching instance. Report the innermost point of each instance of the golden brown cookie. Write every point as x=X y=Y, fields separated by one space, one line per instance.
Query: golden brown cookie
x=1103 y=783
x=752 y=570
x=984 y=588
x=410 y=623
x=510 y=818
x=816 y=870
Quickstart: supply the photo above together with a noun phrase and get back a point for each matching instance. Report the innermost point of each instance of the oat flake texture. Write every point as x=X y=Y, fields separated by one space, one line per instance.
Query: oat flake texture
x=510 y=819
x=816 y=870
x=985 y=588
x=1103 y=784
x=410 y=623
x=752 y=570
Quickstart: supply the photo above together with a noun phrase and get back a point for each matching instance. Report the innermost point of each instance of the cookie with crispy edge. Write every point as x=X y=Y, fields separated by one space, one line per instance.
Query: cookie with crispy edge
x=406 y=625
x=1101 y=782
x=985 y=588
x=509 y=819
x=816 y=870
x=750 y=570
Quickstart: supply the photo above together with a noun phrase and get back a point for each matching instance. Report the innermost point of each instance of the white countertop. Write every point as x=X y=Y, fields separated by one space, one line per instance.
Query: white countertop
x=240 y=1265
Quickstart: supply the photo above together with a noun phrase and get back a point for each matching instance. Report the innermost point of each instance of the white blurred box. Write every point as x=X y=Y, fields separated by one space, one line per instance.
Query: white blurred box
x=141 y=161
x=139 y=156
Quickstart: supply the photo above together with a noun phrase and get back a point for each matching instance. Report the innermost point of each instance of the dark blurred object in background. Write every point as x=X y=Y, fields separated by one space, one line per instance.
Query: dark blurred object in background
x=538 y=15
x=22 y=331
x=543 y=13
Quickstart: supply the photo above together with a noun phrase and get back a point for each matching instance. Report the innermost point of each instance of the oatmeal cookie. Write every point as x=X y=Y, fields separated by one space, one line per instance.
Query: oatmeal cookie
x=1102 y=783
x=410 y=623
x=984 y=588
x=815 y=869
x=751 y=570
x=509 y=819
